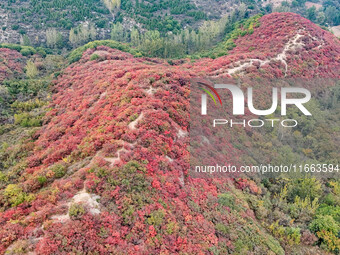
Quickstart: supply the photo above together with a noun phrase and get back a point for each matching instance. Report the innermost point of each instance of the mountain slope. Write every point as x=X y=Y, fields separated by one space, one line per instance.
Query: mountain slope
x=284 y=45
x=108 y=171
x=12 y=63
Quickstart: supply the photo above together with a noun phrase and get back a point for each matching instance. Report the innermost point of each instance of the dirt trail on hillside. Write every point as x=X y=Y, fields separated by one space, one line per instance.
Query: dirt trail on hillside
x=292 y=45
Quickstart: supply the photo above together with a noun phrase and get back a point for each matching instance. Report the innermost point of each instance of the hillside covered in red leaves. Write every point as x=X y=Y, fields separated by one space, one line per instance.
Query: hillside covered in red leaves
x=11 y=64
x=283 y=45
x=108 y=171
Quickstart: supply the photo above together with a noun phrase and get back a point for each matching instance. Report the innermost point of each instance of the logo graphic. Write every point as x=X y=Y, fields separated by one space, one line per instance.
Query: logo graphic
x=204 y=96
x=239 y=99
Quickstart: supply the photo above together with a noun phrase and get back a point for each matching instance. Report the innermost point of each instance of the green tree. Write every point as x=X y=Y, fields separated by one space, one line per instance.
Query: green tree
x=118 y=33
x=25 y=40
x=31 y=69
x=54 y=39
x=332 y=15
x=311 y=13
x=135 y=37
x=84 y=33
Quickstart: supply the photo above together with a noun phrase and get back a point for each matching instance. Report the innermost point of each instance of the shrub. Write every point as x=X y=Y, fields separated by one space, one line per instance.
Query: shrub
x=333 y=211
x=26 y=120
x=42 y=180
x=335 y=186
x=287 y=235
x=156 y=218
x=324 y=223
x=261 y=212
x=226 y=199
x=27 y=106
x=222 y=229
x=3 y=177
x=329 y=199
x=76 y=211
x=15 y=27
x=303 y=207
x=171 y=228
x=327 y=230
x=15 y=195
x=11 y=46
x=133 y=178
x=134 y=116
x=330 y=241
x=42 y=52
x=26 y=52
x=308 y=187
x=59 y=170
x=293 y=235
x=94 y=57
x=31 y=87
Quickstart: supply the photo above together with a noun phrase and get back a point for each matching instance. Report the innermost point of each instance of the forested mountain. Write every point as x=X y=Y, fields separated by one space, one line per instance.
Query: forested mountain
x=94 y=150
x=65 y=24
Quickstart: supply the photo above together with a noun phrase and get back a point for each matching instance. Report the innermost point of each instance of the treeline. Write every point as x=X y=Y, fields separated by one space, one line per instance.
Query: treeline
x=186 y=41
x=327 y=15
x=152 y=42
x=77 y=36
